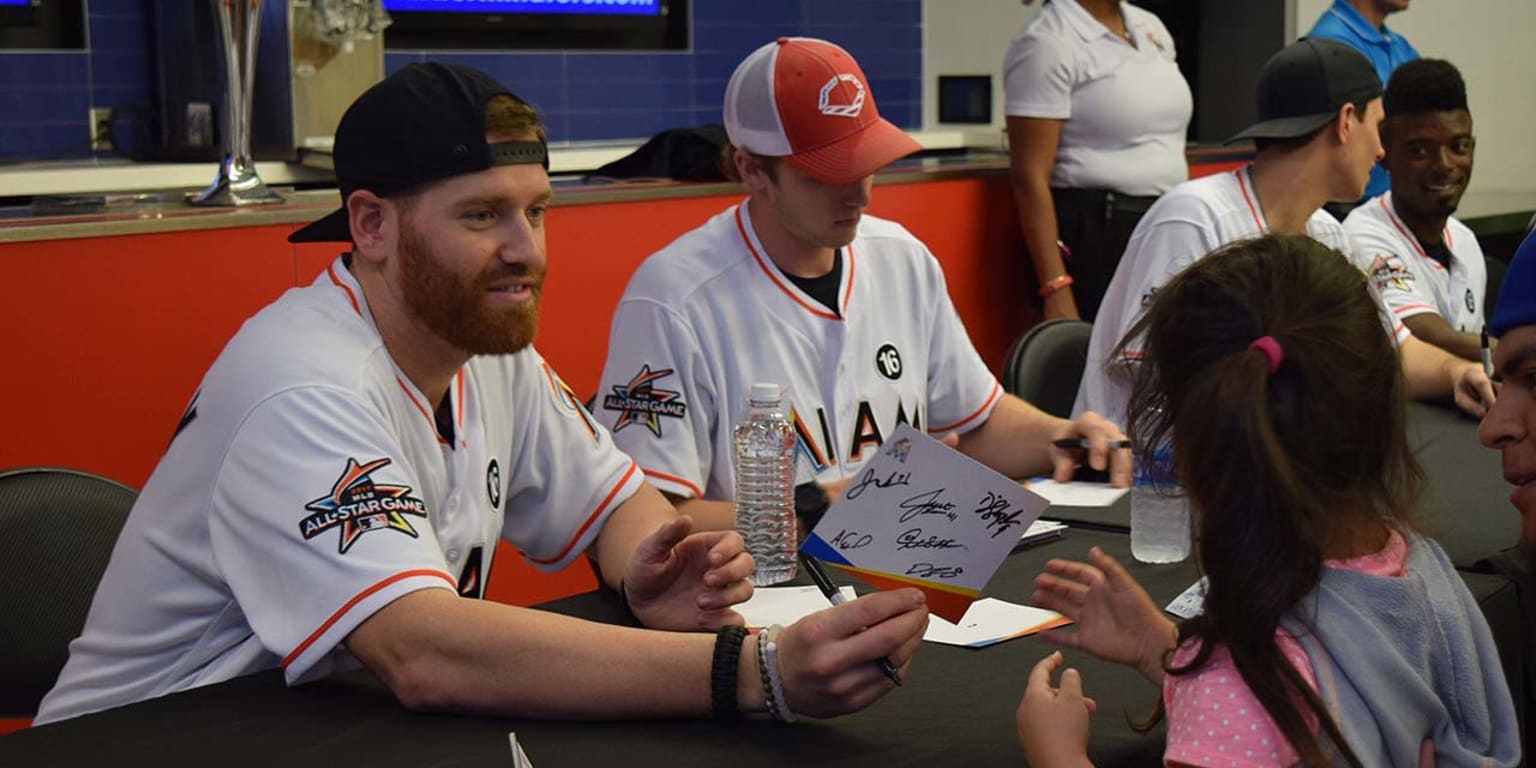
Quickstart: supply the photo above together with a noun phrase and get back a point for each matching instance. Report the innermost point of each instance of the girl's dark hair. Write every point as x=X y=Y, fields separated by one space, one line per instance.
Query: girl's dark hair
x=1277 y=467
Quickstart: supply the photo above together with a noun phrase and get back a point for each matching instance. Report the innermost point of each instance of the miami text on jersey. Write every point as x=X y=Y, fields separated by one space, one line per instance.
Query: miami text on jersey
x=866 y=434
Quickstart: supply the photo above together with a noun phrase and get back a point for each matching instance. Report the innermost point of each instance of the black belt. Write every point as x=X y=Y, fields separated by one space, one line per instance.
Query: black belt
x=1107 y=199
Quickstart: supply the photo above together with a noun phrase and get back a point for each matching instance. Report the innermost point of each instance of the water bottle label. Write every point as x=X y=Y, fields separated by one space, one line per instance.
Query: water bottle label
x=1155 y=468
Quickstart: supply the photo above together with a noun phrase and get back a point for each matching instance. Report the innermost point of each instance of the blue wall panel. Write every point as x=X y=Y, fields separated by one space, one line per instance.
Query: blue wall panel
x=44 y=97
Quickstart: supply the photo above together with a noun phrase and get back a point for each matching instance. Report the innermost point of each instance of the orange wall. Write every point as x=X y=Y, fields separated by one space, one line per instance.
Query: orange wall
x=107 y=338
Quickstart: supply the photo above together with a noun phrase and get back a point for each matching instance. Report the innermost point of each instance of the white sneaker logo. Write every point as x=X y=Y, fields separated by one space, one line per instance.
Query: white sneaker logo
x=851 y=109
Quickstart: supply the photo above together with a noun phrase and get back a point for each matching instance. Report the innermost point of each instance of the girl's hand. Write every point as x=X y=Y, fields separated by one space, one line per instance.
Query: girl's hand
x=1114 y=617
x=1053 y=722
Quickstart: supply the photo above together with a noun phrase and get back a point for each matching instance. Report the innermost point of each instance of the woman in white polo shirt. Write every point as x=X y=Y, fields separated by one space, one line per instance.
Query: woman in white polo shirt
x=1097 y=112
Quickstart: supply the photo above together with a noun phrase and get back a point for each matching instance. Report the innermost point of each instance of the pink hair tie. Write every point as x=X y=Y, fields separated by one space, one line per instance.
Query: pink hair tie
x=1271 y=350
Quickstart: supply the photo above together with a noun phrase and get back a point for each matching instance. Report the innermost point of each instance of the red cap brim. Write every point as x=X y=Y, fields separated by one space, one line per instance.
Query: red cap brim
x=857 y=155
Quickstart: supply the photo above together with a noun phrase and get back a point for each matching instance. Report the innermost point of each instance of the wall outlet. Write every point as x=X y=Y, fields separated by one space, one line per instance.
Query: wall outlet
x=101 y=129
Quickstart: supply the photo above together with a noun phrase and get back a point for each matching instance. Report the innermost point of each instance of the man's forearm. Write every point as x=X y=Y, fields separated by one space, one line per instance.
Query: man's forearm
x=638 y=517
x=1014 y=440
x=440 y=652
x=1434 y=331
x=708 y=514
x=1429 y=371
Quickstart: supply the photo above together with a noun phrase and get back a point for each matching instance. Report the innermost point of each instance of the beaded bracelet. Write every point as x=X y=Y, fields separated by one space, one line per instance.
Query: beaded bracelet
x=762 y=671
x=770 y=648
x=723 y=673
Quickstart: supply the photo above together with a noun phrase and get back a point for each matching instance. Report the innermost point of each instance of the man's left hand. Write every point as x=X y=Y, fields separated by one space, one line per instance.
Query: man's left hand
x=686 y=582
x=1099 y=432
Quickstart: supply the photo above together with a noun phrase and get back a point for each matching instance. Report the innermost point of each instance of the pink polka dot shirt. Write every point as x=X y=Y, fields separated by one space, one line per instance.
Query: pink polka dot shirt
x=1214 y=720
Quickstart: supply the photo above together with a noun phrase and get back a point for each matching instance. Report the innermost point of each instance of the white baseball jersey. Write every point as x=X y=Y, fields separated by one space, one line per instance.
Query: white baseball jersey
x=709 y=315
x=1409 y=280
x=1193 y=219
x=308 y=486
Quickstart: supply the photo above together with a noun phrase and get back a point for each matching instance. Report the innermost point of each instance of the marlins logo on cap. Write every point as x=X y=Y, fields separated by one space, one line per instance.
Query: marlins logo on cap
x=805 y=100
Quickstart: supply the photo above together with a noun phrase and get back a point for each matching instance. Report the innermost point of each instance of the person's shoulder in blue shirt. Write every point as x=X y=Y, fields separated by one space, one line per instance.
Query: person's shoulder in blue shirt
x=1346 y=22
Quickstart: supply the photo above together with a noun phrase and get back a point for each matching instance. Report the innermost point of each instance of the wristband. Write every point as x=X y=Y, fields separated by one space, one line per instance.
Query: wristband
x=762 y=672
x=769 y=643
x=723 y=671
x=1055 y=284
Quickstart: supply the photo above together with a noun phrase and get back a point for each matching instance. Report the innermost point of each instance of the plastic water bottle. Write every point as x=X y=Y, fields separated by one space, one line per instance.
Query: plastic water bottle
x=765 y=486
x=1159 y=510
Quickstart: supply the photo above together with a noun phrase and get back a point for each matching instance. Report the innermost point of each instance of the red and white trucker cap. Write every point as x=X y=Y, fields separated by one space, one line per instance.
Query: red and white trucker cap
x=807 y=101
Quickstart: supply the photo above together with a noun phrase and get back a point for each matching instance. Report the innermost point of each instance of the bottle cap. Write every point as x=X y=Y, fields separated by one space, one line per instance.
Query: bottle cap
x=764 y=393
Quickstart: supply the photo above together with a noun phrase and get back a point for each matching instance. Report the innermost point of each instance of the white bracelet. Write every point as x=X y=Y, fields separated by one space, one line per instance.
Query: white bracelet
x=771 y=654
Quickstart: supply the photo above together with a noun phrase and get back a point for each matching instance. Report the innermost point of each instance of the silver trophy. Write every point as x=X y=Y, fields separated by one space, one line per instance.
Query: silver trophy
x=237 y=183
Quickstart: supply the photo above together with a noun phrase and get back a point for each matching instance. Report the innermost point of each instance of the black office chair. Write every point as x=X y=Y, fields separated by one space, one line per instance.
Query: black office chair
x=1046 y=364
x=57 y=530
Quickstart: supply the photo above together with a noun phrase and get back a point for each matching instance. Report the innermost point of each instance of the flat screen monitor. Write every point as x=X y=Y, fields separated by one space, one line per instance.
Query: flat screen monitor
x=18 y=11
x=538 y=24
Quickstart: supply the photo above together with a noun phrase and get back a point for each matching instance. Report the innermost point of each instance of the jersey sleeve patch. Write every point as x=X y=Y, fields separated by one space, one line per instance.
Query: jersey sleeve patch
x=567 y=401
x=641 y=401
x=1389 y=272
x=357 y=504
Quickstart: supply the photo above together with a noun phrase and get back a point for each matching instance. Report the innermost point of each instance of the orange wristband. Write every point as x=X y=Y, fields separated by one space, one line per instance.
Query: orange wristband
x=1055 y=284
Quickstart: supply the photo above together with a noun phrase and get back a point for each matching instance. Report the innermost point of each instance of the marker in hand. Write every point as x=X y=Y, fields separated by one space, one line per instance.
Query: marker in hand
x=824 y=583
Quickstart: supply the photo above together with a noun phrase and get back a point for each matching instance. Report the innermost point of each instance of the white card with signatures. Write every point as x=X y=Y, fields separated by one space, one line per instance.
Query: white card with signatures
x=923 y=514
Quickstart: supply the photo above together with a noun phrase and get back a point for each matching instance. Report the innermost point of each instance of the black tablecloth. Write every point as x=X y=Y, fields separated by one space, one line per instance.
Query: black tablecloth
x=956 y=709
x=1466 y=507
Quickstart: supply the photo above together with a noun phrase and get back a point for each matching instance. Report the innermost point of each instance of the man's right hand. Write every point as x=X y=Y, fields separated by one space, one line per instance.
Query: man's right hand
x=1113 y=616
x=1474 y=393
x=827 y=660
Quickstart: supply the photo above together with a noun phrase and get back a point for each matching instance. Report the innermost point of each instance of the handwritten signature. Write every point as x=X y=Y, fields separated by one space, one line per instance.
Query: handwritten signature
x=927 y=504
x=994 y=511
x=868 y=479
x=846 y=539
x=912 y=538
x=931 y=571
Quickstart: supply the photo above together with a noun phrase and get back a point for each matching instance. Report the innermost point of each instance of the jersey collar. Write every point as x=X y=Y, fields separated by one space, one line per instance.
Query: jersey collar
x=1251 y=197
x=1385 y=201
x=783 y=283
x=337 y=274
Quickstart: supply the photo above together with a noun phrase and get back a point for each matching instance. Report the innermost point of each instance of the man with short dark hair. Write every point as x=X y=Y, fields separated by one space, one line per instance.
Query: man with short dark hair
x=336 y=490
x=1362 y=25
x=1427 y=266
x=1319 y=107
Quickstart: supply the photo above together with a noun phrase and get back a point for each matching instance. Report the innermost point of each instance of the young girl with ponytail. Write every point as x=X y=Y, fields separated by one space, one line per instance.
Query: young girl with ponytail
x=1332 y=633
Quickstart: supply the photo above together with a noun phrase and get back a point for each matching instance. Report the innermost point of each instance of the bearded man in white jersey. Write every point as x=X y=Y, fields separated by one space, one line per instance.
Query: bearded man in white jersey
x=1317 y=138
x=797 y=287
x=336 y=491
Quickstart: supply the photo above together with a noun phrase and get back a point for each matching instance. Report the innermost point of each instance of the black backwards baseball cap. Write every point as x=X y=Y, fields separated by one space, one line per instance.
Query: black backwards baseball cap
x=1302 y=88
x=423 y=123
